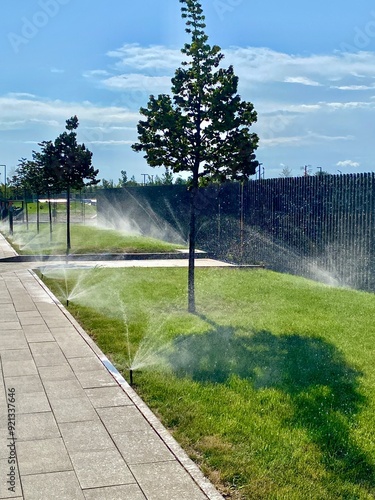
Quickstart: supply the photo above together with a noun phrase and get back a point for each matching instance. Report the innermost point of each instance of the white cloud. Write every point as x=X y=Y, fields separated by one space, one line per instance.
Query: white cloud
x=154 y=57
x=17 y=112
x=349 y=105
x=266 y=65
x=109 y=143
x=303 y=81
x=302 y=140
x=347 y=163
x=354 y=87
x=255 y=64
x=96 y=73
x=139 y=82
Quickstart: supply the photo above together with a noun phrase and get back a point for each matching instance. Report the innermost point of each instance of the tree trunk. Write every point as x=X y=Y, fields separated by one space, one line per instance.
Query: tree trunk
x=68 y=246
x=50 y=217
x=37 y=214
x=192 y=234
x=26 y=211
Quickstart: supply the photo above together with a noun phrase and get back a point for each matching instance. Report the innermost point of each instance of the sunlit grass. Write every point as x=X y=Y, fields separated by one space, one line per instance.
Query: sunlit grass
x=270 y=387
x=76 y=207
x=84 y=239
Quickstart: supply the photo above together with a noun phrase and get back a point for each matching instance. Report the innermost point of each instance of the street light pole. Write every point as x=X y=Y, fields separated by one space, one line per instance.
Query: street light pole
x=5 y=180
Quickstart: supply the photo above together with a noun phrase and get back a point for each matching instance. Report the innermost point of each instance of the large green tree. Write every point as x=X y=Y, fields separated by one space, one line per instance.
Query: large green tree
x=203 y=127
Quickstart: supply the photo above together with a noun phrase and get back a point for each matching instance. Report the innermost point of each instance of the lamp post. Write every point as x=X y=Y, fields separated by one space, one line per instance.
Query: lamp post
x=5 y=180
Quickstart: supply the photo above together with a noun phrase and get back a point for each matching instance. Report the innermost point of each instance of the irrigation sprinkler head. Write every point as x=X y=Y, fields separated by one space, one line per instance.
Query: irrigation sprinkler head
x=131 y=376
x=67 y=302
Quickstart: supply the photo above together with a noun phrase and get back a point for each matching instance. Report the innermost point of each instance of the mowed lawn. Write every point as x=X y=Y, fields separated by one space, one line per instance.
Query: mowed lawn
x=270 y=387
x=84 y=239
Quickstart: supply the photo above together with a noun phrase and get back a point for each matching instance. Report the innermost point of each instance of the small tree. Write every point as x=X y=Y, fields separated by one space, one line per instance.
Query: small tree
x=108 y=184
x=52 y=184
x=286 y=172
x=69 y=164
x=204 y=128
x=31 y=177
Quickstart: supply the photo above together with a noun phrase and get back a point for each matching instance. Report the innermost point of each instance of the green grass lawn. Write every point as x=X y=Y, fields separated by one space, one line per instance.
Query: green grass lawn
x=76 y=207
x=84 y=239
x=270 y=387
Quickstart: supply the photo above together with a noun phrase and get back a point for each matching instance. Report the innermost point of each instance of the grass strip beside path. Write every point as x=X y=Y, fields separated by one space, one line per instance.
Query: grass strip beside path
x=270 y=387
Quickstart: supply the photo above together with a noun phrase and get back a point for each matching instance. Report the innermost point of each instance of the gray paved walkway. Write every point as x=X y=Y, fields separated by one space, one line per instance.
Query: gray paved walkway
x=70 y=426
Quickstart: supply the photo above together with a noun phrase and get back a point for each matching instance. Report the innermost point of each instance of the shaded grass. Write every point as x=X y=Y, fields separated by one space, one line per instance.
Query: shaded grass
x=270 y=388
x=85 y=239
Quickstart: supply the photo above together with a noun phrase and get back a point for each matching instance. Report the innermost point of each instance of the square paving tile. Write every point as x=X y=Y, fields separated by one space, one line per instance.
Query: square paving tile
x=36 y=329
x=8 y=313
x=76 y=348
x=96 y=378
x=86 y=436
x=15 y=340
x=30 y=426
x=32 y=402
x=63 y=333
x=57 y=321
x=63 y=389
x=25 y=384
x=102 y=397
x=8 y=326
x=86 y=364
x=46 y=455
x=160 y=481
x=48 y=308
x=38 y=336
x=142 y=447
x=5 y=298
x=47 y=354
x=122 y=419
x=101 y=468
x=125 y=492
x=18 y=368
x=60 y=372
x=17 y=354
x=30 y=318
x=24 y=305
x=56 y=485
x=73 y=409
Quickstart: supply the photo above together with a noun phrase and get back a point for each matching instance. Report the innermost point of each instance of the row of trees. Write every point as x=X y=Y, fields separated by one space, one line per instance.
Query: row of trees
x=166 y=179
x=61 y=165
x=201 y=128
x=307 y=171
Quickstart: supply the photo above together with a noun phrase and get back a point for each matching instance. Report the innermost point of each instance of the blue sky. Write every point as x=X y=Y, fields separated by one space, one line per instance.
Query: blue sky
x=308 y=68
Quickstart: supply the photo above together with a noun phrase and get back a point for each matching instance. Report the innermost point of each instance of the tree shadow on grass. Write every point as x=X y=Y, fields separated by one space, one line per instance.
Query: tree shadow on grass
x=322 y=386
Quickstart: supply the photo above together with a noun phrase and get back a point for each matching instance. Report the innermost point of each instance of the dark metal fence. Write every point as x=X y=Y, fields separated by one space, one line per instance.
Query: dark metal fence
x=320 y=226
